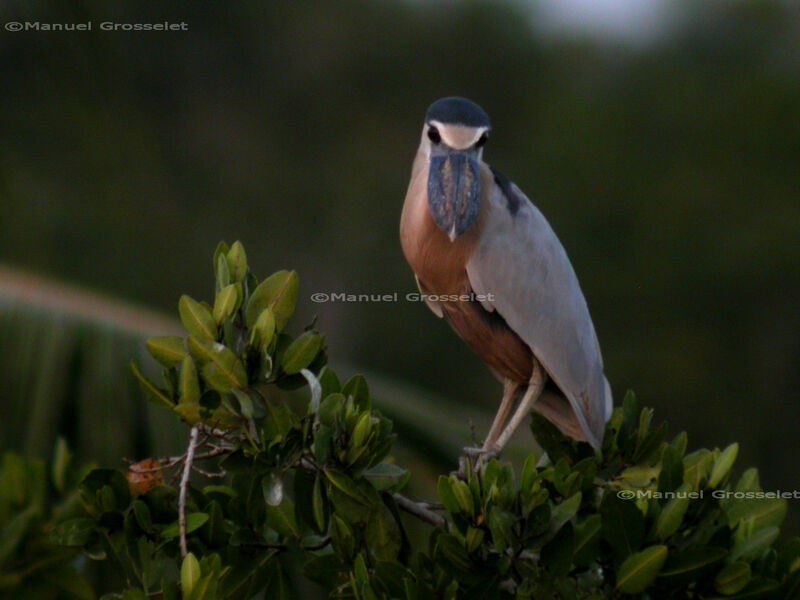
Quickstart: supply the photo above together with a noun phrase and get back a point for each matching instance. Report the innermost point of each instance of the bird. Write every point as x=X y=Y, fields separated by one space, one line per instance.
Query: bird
x=486 y=260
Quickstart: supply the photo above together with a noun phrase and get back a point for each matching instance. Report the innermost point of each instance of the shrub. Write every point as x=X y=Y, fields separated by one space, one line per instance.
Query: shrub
x=309 y=477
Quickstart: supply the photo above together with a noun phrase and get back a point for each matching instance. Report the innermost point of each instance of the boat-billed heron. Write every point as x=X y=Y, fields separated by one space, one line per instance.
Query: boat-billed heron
x=488 y=262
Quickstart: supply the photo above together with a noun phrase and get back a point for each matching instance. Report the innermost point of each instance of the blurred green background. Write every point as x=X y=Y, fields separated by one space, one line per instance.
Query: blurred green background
x=661 y=140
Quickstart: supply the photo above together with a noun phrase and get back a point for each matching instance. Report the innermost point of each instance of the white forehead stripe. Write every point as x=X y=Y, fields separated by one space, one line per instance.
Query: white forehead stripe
x=459 y=137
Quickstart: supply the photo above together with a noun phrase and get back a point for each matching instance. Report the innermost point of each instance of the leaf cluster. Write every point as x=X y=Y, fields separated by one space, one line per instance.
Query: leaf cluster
x=644 y=518
x=36 y=560
x=308 y=477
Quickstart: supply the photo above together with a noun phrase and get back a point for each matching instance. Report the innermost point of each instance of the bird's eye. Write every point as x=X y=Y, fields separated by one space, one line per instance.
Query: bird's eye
x=482 y=140
x=433 y=135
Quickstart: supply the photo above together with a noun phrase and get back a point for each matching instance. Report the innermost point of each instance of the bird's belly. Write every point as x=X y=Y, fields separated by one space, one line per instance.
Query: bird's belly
x=488 y=335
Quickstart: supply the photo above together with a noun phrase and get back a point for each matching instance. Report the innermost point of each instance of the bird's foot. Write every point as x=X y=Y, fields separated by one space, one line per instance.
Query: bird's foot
x=475 y=452
x=476 y=456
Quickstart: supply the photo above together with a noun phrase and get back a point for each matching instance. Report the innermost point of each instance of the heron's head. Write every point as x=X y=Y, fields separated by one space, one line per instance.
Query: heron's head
x=453 y=137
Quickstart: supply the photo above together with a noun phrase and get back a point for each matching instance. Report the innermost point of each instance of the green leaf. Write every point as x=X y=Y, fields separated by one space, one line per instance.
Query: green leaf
x=761 y=512
x=565 y=510
x=281 y=519
x=748 y=482
x=693 y=564
x=361 y=573
x=108 y=485
x=324 y=569
x=529 y=474
x=221 y=369
x=143 y=517
x=587 y=540
x=329 y=408
x=194 y=521
x=277 y=292
x=237 y=261
x=361 y=430
x=15 y=530
x=385 y=476
x=500 y=524
x=640 y=569
x=473 y=539
x=221 y=252
x=557 y=553
x=671 y=475
x=227 y=302
x=329 y=382
x=301 y=352
x=463 y=497
x=61 y=461
x=247 y=408
x=215 y=531
x=205 y=588
x=723 y=464
x=446 y=495
x=342 y=538
x=168 y=349
x=623 y=524
x=392 y=576
x=550 y=438
x=695 y=467
x=262 y=332
x=318 y=504
x=154 y=394
x=732 y=578
x=448 y=546
x=671 y=516
x=347 y=486
x=197 y=319
x=189 y=384
x=190 y=574
x=382 y=534
x=74 y=532
x=754 y=545
x=356 y=388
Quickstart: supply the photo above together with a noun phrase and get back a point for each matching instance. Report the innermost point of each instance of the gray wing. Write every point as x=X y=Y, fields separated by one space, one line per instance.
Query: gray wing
x=520 y=265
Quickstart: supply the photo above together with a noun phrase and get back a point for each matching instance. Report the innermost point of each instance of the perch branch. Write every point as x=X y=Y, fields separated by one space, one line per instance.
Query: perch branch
x=420 y=511
x=187 y=470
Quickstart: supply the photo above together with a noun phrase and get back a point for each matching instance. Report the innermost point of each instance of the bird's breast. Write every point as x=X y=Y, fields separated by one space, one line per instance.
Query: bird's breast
x=441 y=268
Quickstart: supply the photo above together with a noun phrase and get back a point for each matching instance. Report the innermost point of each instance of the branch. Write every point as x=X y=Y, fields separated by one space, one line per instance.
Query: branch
x=420 y=511
x=187 y=470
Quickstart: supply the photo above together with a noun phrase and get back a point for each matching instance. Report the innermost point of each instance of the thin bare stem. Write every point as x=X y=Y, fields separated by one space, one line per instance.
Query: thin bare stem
x=187 y=470
x=319 y=545
x=432 y=505
x=210 y=474
x=419 y=511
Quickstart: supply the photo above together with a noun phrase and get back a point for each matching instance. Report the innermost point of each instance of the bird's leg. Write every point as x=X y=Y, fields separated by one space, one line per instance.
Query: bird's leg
x=485 y=452
x=535 y=387
x=509 y=390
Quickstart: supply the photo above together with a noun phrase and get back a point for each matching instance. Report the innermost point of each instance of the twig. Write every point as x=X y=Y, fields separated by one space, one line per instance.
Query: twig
x=319 y=545
x=431 y=505
x=173 y=461
x=420 y=511
x=187 y=470
x=209 y=474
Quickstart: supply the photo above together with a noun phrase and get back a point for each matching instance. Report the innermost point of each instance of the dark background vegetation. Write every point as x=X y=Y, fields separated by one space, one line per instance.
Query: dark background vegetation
x=669 y=166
